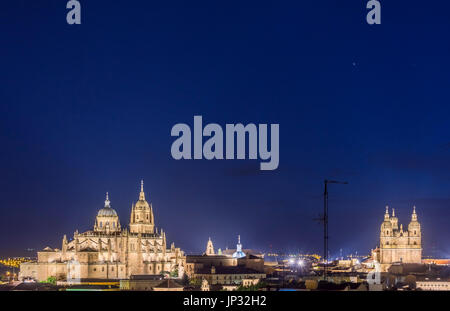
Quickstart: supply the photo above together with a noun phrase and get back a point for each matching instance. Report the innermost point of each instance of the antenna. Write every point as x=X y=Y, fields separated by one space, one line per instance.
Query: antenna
x=325 y=223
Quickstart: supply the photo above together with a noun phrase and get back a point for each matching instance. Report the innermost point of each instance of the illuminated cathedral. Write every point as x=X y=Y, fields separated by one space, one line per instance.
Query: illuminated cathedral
x=398 y=245
x=110 y=251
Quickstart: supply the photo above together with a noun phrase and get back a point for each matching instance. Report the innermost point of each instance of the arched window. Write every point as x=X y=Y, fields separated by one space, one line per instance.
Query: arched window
x=387 y=243
x=101 y=224
x=114 y=224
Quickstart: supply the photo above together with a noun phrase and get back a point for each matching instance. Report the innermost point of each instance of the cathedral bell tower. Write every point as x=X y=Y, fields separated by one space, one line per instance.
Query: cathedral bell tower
x=210 y=248
x=414 y=231
x=386 y=229
x=141 y=220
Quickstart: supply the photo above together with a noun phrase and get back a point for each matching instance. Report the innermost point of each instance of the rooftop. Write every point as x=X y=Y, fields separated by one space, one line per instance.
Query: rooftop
x=229 y=270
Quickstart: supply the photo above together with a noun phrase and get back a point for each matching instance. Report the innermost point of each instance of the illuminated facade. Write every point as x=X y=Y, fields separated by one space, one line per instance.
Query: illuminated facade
x=108 y=251
x=398 y=245
x=209 y=248
x=239 y=253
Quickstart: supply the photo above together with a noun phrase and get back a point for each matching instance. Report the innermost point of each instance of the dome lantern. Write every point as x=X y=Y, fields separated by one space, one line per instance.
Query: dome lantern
x=107 y=219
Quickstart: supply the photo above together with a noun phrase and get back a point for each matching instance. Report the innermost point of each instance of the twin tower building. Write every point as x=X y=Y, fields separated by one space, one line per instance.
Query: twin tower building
x=399 y=245
x=109 y=251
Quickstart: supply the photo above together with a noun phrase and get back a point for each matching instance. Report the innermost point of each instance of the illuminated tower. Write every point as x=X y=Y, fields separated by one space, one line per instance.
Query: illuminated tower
x=386 y=235
x=210 y=248
x=238 y=253
x=415 y=238
x=141 y=220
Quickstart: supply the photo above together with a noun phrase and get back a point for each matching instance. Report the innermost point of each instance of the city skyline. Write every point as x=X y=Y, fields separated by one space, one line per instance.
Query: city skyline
x=198 y=250
x=88 y=109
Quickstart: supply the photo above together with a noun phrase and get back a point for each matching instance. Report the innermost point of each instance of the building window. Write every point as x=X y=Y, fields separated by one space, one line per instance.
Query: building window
x=101 y=224
x=114 y=224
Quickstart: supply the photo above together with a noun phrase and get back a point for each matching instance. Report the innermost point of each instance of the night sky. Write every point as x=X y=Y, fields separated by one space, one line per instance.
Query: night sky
x=88 y=109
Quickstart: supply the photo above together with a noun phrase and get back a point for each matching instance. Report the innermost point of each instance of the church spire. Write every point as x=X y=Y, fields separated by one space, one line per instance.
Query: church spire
x=386 y=215
x=209 y=248
x=142 y=194
x=414 y=215
x=393 y=212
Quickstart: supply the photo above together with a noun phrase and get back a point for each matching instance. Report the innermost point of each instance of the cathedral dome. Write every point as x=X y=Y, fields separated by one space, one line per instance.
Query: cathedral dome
x=107 y=219
x=107 y=210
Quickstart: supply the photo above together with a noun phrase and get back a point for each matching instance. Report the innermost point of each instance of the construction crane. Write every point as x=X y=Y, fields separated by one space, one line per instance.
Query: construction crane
x=325 y=223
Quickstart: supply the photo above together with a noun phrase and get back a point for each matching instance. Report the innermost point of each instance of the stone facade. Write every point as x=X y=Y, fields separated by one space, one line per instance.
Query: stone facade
x=434 y=285
x=397 y=244
x=210 y=248
x=228 y=275
x=224 y=269
x=108 y=251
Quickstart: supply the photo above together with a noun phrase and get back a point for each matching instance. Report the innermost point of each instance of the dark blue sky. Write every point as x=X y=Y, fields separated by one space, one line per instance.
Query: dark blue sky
x=88 y=109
